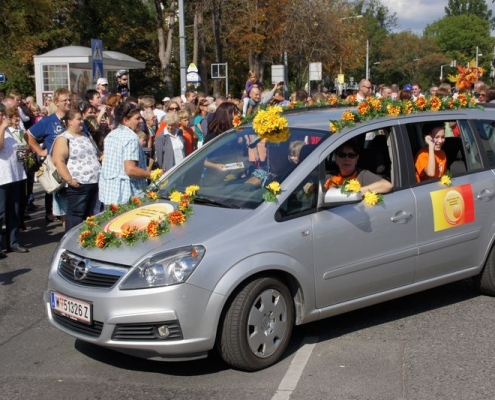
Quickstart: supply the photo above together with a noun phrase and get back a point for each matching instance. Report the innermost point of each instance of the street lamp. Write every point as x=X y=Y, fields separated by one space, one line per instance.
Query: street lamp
x=478 y=54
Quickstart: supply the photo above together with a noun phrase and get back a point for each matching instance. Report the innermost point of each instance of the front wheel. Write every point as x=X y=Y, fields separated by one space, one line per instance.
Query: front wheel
x=485 y=281
x=258 y=325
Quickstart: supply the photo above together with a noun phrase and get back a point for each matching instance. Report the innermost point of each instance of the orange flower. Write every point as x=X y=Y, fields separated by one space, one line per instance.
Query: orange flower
x=421 y=103
x=136 y=201
x=332 y=101
x=408 y=107
x=236 y=121
x=176 y=218
x=90 y=223
x=128 y=231
x=152 y=229
x=393 y=110
x=375 y=103
x=363 y=108
x=91 y=218
x=183 y=204
x=83 y=236
x=152 y=195
x=462 y=99
x=114 y=208
x=351 y=98
x=100 y=240
x=348 y=116
x=435 y=103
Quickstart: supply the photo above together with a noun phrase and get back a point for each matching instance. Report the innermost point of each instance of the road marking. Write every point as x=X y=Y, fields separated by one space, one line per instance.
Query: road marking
x=296 y=368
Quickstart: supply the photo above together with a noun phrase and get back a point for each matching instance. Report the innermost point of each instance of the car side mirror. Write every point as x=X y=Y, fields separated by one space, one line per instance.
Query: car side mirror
x=334 y=196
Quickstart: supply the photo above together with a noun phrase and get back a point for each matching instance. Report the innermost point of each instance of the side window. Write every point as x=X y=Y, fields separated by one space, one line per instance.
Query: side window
x=469 y=147
x=452 y=137
x=486 y=132
x=303 y=199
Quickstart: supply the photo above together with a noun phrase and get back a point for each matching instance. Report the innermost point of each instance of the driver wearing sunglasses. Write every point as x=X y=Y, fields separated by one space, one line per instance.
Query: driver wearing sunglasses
x=346 y=156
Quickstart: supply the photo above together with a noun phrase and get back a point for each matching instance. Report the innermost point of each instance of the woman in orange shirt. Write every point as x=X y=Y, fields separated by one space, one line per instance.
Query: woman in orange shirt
x=431 y=161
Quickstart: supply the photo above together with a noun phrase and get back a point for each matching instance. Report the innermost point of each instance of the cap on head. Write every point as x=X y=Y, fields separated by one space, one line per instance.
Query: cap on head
x=102 y=81
x=121 y=72
x=166 y=99
x=407 y=86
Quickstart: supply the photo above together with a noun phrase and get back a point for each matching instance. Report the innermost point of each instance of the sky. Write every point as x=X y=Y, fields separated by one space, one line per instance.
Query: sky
x=414 y=15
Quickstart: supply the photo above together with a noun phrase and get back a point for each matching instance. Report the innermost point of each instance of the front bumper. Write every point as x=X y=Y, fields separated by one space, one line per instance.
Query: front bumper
x=127 y=320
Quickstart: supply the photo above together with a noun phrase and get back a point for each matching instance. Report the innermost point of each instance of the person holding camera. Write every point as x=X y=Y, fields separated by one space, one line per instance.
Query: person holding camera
x=12 y=182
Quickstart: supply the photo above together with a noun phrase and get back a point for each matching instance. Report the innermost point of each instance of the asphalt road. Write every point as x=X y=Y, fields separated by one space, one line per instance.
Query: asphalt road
x=438 y=344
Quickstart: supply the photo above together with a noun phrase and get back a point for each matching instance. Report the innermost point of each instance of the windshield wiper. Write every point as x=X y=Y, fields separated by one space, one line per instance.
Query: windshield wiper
x=211 y=202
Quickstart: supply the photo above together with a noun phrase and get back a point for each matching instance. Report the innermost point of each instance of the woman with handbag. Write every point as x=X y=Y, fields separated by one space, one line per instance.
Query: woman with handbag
x=76 y=159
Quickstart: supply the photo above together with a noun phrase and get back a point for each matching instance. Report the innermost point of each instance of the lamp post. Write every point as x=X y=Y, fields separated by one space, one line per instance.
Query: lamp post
x=478 y=55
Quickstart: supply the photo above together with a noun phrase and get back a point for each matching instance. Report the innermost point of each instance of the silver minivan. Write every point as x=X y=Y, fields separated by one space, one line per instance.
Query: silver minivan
x=242 y=270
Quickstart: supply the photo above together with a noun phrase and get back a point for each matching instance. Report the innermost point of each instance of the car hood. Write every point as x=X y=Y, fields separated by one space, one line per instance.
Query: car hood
x=204 y=223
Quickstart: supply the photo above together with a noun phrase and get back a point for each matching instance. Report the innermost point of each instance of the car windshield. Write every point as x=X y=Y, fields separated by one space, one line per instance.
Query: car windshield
x=233 y=170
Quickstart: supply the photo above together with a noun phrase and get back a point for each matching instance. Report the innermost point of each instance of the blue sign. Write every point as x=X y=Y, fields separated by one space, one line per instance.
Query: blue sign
x=97 y=59
x=2 y=77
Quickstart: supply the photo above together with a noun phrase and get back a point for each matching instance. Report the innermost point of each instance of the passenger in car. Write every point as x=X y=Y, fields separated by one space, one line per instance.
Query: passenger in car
x=346 y=157
x=430 y=161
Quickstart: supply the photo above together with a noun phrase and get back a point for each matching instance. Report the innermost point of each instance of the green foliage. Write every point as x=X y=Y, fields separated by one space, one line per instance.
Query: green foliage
x=477 y=8
x=458 y=36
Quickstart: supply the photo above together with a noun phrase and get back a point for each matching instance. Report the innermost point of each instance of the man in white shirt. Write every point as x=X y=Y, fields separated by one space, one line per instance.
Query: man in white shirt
x=364 y=90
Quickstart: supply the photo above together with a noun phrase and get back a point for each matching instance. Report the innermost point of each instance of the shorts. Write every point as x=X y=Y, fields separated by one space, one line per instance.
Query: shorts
x=59 y=203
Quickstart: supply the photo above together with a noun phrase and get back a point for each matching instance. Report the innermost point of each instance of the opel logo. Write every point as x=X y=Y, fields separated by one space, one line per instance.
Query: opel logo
x=81 y=269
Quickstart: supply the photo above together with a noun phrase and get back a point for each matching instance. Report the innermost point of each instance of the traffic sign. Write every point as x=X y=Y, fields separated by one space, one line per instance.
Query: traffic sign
x=97 y=59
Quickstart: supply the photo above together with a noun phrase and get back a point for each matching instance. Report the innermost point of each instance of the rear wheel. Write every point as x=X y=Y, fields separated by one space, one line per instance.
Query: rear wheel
x=257 y=325
x=485 y=281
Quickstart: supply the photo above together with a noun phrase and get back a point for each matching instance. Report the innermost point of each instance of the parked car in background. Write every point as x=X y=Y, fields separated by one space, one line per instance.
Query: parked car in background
x=241 y=271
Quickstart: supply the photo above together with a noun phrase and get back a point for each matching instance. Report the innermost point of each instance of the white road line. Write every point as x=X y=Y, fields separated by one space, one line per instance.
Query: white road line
x=296 y=368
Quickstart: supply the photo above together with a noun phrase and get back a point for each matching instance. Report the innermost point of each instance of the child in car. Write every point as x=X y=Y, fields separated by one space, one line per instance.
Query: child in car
x=430 y=161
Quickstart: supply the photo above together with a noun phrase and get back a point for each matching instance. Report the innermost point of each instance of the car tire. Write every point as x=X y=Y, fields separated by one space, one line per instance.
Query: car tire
x=257 y=325
x=485 y=281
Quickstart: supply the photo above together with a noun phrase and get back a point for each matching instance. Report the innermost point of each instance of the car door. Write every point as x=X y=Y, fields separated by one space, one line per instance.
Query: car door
x=454 y=220
x=363 y=250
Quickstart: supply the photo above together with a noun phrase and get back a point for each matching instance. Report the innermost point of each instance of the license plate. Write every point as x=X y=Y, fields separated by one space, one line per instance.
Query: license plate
x=71 y=308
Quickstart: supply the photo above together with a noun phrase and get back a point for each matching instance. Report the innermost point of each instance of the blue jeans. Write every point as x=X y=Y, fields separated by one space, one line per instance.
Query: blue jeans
x=10 y=197
x=80 y=204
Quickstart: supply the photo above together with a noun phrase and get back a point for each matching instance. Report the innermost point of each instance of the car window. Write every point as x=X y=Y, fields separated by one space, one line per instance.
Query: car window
x=234 y=169
x=303 y=199
x=485 y=130
x=459 y=147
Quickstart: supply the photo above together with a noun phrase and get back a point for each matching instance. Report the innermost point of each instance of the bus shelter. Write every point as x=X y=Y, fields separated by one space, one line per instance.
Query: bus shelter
x=71 y=67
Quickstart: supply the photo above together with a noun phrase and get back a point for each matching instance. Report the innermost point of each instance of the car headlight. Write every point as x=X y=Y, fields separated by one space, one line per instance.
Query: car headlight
x=164 y=269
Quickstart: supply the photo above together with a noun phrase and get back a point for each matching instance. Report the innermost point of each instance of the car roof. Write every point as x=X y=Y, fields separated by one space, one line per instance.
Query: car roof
x=320 y=117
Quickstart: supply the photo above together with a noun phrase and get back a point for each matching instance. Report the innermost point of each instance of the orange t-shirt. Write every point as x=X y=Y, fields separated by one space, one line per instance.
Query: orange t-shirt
x=338 y=180
x=188 y=135
x=422 y=161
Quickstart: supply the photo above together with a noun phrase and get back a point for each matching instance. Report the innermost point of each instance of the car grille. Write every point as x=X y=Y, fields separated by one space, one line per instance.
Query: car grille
x=147 y=331
x=93 y=330
x=85 y=272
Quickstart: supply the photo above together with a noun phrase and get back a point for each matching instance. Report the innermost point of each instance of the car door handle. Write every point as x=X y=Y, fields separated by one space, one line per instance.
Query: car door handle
x=484 y=194
x=401 y=217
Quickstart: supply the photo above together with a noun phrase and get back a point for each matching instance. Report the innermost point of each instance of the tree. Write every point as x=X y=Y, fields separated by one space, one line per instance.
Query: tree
x=459 y=43
x=477 y=8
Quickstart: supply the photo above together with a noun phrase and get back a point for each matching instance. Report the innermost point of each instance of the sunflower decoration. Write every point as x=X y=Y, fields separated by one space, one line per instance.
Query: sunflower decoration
x=92 y=235
x=271 y=126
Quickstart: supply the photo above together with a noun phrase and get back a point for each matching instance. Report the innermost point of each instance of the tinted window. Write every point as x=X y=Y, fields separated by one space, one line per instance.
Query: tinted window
x=486 y=132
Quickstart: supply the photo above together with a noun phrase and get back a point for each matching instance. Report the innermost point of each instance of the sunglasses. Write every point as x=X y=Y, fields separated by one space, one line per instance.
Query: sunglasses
x=342 y=154
x=173 y=109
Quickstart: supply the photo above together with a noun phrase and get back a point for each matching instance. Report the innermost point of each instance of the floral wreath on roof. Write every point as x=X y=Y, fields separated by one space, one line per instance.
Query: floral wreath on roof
x=375 y=108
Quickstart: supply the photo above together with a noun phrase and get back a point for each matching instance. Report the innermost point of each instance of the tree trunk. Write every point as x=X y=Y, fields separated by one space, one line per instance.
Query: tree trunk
x=165 y=52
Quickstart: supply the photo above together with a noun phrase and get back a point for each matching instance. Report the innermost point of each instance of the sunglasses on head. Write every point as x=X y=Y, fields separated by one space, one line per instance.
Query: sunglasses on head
x=343 y=154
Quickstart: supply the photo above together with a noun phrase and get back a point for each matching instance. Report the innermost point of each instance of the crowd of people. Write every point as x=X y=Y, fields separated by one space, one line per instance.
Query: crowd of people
x=105 y=144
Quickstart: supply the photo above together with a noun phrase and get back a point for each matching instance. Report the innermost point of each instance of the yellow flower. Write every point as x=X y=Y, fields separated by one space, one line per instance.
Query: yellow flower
x=155 y=174
x=371 y=198
x=445 y=180
x=353 y=186
x=348 y=116
x=192 y=190
x=176 y=196
x=333 y=128
x=274 y=187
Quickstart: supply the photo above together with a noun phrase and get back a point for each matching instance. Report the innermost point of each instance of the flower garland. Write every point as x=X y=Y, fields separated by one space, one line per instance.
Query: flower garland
x=269 y=125
x=375 y=108
x=91 y=234
x=272 y=190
